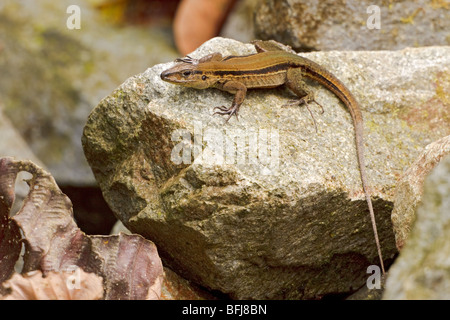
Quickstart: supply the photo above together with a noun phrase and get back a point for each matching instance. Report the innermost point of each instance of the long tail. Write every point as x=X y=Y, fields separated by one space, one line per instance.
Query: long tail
x=358 y=123
x=333 y=84
x=359 y=129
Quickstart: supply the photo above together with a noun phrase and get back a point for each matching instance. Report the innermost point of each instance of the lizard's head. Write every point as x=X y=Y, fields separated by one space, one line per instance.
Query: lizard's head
x=187 y=73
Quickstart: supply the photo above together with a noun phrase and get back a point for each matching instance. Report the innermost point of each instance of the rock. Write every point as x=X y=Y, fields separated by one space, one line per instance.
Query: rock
x=409 y=191
x=292 y=226
x=364 y=293
x=176 y=288
x=422 y=270
x=53 y=76
x=239 y=24
x=352 y=25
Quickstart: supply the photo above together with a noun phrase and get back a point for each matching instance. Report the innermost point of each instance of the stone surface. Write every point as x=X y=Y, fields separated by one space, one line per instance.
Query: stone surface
x=53 y=76
x=346 y=25
x=292 y=226
x=422 y=270
x=409 y=191
x=176 y=288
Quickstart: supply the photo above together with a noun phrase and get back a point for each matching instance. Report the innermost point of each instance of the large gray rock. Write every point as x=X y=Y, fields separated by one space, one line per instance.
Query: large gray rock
x=349 y=25
x=292 y=226
x=409 y=190
x=422 y=270
x=52 y=76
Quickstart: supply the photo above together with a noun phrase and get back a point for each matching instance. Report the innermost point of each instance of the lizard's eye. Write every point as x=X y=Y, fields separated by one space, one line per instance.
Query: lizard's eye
x=186 y=73
x=203 y=77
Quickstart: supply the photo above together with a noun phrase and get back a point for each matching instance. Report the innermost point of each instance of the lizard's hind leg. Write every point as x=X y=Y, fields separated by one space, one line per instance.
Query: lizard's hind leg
x=305 y=95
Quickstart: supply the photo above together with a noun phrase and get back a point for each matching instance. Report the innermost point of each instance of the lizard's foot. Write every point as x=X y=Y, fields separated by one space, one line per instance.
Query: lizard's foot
x=227 y=111
x=305 y=100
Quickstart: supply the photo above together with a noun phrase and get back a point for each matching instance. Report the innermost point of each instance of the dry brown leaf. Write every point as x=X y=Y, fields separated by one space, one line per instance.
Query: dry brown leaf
x=129 y=264
x=10 y=245
x=76 y=285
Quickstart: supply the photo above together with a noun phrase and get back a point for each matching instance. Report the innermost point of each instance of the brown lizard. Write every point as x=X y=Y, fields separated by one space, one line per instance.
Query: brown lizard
x=270 y=67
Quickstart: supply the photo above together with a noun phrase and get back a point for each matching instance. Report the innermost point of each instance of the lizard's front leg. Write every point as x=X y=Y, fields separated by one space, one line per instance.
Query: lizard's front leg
x=239 y=90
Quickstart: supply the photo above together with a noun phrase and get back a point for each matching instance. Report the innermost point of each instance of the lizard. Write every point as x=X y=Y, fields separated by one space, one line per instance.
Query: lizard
x=271 y=66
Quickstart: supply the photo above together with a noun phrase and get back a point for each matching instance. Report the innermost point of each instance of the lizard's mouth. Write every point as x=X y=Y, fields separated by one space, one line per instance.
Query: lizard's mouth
x=174 y=78
x=166 y=75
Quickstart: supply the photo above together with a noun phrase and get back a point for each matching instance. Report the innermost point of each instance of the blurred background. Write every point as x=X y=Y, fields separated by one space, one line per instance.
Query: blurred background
x=58 y=59
x=52 y=74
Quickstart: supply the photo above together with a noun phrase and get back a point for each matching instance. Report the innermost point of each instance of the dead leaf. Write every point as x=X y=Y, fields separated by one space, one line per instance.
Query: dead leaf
x=10 y=245
x=76 y=285
x=129 y=264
